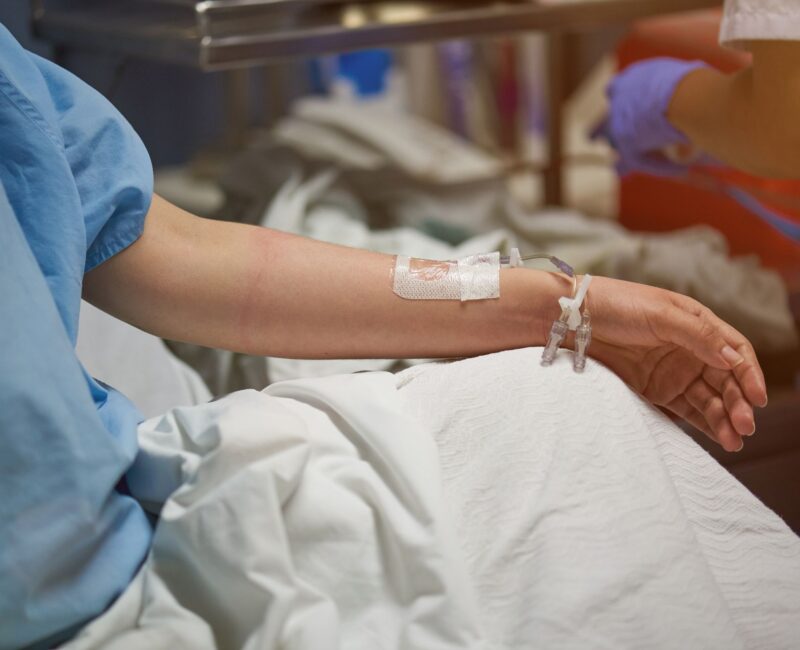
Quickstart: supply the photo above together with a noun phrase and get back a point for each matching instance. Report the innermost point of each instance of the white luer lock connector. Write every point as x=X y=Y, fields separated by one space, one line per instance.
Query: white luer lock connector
x=571 y=319
x=476 y=277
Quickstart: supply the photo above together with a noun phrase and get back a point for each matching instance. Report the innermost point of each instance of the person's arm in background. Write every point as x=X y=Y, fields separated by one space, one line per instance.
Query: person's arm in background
x=263 y=292
x=748 y=120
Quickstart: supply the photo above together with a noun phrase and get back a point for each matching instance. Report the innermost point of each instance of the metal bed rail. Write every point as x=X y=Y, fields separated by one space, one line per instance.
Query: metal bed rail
x=235 y=34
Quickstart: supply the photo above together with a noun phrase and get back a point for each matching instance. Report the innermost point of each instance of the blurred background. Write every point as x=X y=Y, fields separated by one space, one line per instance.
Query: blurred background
x=434 y=129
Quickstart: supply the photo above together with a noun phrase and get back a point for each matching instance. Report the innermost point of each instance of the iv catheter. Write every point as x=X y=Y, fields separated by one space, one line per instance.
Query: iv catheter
x=515 y=260
x=571 y=317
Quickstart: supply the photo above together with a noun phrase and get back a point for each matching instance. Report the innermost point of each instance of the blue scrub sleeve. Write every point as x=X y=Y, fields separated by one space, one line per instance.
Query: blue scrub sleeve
x=76 y=174
x=66 y=536
x=110 y=164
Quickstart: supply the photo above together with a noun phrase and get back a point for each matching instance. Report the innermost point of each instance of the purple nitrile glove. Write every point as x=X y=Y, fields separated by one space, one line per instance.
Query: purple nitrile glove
x=637 y=125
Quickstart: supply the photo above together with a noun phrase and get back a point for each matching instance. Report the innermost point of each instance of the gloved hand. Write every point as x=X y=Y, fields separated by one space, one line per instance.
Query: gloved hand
x=637 y=125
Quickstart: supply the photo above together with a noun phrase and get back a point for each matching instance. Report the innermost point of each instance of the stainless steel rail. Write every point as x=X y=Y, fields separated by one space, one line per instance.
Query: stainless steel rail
x=220 y=34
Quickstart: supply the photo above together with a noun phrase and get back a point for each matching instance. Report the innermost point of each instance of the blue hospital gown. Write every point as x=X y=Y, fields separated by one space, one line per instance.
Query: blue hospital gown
x=75 y=186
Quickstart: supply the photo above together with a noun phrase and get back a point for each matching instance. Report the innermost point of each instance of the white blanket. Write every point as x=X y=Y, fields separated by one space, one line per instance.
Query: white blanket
x=589 y=520
x=306 y=517
x=311 y=516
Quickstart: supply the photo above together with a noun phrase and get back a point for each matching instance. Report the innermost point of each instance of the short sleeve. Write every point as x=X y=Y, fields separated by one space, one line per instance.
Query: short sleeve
x=75 y=173
x=759 y=20
x=110 y=165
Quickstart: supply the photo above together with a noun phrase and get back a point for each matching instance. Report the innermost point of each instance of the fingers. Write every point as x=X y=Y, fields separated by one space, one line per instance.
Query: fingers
x=717 y=344
x=711 y=405
x=748 y=373
x=740 y=411
x=681 y=407
x=697 y=333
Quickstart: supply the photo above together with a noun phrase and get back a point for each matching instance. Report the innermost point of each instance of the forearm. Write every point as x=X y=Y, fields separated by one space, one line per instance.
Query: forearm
x=263 y=292
x=748 y=119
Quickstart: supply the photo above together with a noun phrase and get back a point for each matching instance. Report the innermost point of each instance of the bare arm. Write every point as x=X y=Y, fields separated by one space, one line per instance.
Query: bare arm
x=748 y=120
x=264 y=292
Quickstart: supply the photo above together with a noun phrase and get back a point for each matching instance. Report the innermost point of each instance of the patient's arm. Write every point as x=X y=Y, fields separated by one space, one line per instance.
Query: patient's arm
x=263 y=292
x=748 y=120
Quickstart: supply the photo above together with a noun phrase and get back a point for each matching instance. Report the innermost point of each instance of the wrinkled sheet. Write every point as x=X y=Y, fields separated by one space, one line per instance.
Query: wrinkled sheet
x=589 y=520
x=486 y=503
x=305 y=517
x=136 y=363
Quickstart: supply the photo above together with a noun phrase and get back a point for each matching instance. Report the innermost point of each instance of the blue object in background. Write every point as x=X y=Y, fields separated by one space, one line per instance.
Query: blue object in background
x=457 y=70
x=367 y=71
x=783 y=225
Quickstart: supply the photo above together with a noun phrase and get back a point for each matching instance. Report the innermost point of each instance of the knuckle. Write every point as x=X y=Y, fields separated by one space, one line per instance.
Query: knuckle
x=730 y=386
x=712 y=407
x=706 y=328
x=690 y=305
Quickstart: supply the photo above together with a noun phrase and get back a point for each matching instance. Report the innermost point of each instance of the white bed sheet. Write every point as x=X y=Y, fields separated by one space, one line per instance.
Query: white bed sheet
x=554 y=511
x=589 y=520
x=136 y=363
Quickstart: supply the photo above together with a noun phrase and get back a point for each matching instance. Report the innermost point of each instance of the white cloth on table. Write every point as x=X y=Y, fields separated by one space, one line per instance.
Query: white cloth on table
x=554 y=510
x=754 y=20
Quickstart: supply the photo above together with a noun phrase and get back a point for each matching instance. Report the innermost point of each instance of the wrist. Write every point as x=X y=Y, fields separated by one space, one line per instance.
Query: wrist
x=682 y=111
x=533 y=301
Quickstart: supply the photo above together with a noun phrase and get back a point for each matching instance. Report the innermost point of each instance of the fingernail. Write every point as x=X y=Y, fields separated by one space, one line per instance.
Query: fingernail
x=753 y=430
x=731 y=356
x=740 y=447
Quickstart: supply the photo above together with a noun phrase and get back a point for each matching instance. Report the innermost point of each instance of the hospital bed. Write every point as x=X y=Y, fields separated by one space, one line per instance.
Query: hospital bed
x=236 y=34
x=540 y=529
x=219 y=575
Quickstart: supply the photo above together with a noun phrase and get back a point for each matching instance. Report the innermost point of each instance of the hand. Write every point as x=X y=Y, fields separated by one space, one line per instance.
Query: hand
x=677 y=354
x=637 y=125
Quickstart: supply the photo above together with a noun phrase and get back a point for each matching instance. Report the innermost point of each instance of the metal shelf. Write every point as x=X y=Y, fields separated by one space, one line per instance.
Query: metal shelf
x=224 y=34
x=229 y=34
